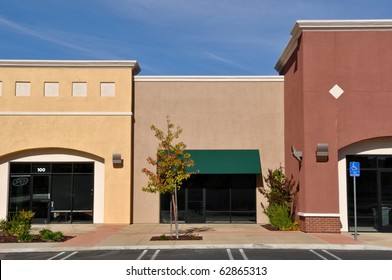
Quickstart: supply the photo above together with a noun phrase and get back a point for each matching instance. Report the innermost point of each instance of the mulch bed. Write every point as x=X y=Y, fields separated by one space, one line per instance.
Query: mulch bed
x=270 y=227
x=37 y=238
x=180 y=237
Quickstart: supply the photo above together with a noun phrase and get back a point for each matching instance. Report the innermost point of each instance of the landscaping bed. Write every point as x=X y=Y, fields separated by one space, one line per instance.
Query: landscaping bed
x=36 y=238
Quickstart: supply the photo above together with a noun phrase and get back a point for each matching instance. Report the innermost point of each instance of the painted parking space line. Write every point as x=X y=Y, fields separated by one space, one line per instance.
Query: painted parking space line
x=332 y=255
x=230 y=254
x=317 y=254
x=243 y=254
x=155 y=254
x=55 y=256
x=142 y=255
x=66 y=257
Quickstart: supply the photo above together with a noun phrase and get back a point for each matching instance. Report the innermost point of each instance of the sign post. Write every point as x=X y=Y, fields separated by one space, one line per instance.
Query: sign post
x=355 y=172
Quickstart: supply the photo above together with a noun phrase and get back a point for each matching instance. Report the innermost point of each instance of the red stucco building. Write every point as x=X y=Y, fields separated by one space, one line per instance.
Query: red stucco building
x=337 y=103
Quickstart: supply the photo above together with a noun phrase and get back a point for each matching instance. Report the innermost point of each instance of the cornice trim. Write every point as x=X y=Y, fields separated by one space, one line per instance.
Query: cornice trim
x=72 y=63
x=66 y=114
x=209 y=79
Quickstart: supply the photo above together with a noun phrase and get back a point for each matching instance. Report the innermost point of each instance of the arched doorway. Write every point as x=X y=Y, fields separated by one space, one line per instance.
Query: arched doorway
x=374 y=186
x=60 y=186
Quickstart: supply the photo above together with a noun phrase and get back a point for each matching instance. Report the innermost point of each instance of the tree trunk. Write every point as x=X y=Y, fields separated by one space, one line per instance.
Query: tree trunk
x=175 y=212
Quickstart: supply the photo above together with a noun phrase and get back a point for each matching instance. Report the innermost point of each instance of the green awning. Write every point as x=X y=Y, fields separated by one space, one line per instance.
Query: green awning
x=225 y=161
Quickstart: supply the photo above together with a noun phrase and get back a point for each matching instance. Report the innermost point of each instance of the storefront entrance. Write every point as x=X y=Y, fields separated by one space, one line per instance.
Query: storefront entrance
x=56 y=192
x=215 y=198
x=374 y=193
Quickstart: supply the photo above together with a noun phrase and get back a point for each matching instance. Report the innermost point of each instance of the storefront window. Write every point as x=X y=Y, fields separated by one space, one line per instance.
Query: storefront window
x=215 y=198
x=56 y=192
x=373 y=193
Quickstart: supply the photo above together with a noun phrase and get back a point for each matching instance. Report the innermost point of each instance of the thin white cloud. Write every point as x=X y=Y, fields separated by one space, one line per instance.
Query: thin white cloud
x=224 y=60
x=56 y=37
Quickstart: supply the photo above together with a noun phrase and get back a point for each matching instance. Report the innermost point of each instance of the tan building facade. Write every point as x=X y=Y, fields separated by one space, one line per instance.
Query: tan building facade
x=61 y=122
x=217 y=114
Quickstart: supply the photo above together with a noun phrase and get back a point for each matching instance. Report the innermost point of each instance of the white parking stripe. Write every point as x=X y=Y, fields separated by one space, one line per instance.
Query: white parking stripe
x=66 y=257
x=142 y=255
x=59 y=254
x=155 y=254
x=230 y=254
x=332 y=255
x=317 y=254
x=243 y=254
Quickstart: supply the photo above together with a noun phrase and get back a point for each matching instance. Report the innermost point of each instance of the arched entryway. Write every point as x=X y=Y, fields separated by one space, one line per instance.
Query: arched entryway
x=374 y=186
x=59 y=185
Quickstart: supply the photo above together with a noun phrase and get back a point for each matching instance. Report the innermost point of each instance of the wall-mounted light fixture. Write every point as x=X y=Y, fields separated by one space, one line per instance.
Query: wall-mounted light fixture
x=296 y=154
x=322 y=152
x=118 y=162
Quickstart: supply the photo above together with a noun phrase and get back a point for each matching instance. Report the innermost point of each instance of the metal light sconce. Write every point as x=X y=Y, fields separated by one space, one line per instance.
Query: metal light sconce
x=322 y=152
x=296 y=154
x=118 y=162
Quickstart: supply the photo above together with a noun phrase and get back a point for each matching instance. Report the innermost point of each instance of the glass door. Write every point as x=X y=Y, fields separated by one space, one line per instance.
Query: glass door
x=40 y=198
x=195 y=205
x=385 y=207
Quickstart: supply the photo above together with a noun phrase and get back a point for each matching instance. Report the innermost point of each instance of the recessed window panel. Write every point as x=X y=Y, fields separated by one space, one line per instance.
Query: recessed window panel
x=79 y=89
x=22 y=89
x=51 y=89
x=108 y=89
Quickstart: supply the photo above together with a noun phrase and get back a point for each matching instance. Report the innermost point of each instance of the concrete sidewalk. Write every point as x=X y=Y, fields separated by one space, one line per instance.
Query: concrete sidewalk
x=137 y=236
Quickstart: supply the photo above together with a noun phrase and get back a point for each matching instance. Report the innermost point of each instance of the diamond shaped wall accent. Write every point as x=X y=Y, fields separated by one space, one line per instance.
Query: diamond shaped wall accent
x=336 y=91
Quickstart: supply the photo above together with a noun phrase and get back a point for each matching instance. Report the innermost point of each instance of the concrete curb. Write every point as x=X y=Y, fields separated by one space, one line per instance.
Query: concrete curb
x=204 y=246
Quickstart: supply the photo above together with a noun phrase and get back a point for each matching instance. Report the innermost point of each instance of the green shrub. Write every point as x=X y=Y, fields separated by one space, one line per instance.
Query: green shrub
x=295 y=226
x=280 y=192
x=25 y=237
x=19 y=225
x=279 y=216
x=164 y=237
x=50 y=236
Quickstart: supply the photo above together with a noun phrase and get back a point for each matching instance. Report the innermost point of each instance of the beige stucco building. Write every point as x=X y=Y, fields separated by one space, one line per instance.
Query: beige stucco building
x=216 y=113
x=66 y=112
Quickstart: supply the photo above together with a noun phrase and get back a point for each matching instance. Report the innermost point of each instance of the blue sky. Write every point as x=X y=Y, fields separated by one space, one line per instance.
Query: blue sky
x=168 y=37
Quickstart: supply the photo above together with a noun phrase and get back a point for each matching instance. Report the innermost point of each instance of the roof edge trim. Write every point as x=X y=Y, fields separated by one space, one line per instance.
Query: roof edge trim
x=209 y=78
x=301 y=26
x=71 y=63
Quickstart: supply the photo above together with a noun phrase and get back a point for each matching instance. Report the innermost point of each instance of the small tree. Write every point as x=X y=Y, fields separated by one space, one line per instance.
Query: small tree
x=170 y=166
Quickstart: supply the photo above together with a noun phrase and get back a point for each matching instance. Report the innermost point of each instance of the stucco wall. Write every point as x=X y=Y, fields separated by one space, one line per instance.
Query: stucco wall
x=215 y=114
x=356 y=62
x=92 y=124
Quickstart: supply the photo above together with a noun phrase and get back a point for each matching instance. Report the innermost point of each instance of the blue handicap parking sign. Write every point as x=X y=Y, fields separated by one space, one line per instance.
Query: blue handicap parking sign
x=354 y=169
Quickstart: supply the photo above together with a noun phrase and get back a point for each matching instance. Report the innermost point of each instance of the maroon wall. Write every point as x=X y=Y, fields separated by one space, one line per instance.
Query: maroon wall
x=294 y=115
x=359 y=62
